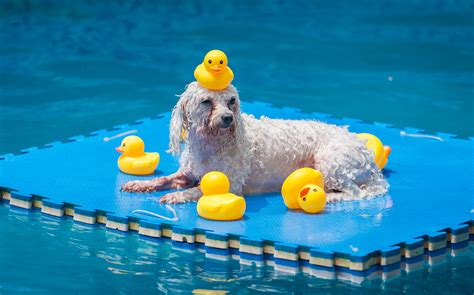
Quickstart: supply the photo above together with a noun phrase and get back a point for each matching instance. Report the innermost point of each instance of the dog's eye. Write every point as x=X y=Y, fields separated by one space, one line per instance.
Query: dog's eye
x=206 y=102
x=232 y=101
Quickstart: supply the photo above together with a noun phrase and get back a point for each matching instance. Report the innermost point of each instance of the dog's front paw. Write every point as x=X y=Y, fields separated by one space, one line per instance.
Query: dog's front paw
x=173 y=198
x=138 y=186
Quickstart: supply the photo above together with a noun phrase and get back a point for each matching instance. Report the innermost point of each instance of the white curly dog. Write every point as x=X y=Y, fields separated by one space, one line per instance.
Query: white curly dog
x=258 y=154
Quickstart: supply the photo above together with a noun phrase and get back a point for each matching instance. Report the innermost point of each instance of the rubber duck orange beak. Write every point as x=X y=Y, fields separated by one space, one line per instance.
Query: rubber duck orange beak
x=304 y=192
x=216 y=68
x=119 y=149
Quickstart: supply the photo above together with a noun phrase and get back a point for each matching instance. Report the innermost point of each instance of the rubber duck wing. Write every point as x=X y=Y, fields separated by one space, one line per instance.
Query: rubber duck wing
x=231 y=73
x=143 y=162
x=213 y=207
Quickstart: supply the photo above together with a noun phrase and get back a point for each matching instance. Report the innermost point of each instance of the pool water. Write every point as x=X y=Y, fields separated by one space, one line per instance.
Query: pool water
x=71 y=67
x=39 y=254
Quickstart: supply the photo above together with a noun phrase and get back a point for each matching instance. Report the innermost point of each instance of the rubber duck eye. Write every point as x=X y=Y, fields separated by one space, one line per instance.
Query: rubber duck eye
x=315 y=190
x=123 y=145
x=209 y=61
x=304 y=199
x=221 y=62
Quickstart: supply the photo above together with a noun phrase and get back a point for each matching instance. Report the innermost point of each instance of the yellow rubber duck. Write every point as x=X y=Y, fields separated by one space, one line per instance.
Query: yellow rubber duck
x=213 y=73
x=381 y=152
x=304 y=189
x=312 y=198
x=134 y=160
x=217 y=203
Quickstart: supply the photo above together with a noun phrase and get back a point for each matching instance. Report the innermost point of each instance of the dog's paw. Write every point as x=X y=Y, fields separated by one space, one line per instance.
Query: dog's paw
x=173 y=198
x=138 y=186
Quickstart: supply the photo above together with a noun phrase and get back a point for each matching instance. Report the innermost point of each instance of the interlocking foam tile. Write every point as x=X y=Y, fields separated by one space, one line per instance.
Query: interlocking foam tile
x=431 y=178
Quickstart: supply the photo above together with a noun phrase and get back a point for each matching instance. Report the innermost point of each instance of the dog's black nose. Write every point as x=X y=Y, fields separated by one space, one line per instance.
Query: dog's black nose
x=227 y=119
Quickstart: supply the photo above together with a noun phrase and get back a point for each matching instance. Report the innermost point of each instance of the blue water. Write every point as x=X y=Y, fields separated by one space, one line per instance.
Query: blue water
x=71 y=67
x=39 y=254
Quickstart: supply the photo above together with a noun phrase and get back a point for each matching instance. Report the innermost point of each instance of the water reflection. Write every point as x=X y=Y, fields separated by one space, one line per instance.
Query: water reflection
x=129 y=263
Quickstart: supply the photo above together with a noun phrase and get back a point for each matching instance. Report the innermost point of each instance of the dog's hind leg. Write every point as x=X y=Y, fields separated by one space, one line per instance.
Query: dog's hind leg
x=189 y=195
x=177 y=180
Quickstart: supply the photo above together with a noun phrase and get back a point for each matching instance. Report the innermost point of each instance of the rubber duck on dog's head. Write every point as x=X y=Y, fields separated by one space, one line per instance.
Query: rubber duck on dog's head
x=213 y=73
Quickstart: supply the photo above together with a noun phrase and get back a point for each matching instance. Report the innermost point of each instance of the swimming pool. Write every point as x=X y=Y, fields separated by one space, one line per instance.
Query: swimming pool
x=72 y=68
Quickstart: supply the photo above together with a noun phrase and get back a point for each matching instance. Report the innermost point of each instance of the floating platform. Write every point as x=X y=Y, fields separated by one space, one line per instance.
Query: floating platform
x=427 y=214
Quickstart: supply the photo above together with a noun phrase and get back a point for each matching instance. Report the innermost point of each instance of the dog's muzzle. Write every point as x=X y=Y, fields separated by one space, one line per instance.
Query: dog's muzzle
x=226 y=121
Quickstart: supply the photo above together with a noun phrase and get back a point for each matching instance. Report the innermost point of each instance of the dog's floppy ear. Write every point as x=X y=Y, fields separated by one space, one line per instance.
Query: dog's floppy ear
x=178 y=126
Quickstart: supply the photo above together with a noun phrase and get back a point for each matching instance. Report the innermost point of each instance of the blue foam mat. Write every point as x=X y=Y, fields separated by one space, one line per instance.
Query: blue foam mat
x=431 y=187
